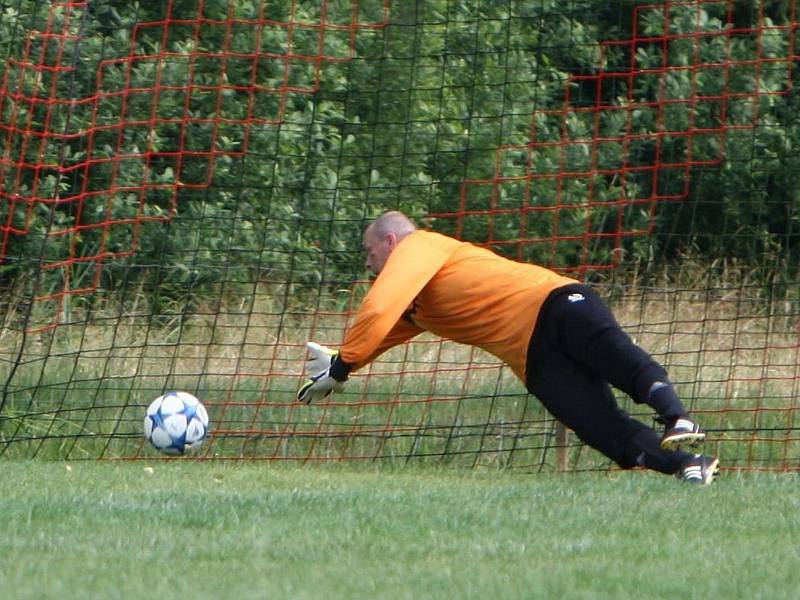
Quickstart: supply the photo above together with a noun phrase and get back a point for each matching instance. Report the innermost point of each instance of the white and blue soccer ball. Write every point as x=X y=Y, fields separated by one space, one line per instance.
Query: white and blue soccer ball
x=175 y=423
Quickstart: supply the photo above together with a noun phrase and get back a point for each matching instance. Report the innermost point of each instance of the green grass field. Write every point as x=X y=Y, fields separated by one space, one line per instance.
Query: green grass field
x=171 y=529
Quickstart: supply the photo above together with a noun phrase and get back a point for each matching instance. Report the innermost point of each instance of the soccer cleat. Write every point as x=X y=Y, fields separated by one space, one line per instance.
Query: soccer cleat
x=699 y=469
x=682 y=431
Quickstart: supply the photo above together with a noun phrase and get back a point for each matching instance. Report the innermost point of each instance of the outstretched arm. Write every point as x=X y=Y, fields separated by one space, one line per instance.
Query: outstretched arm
x=328 y=372
x=379 y=324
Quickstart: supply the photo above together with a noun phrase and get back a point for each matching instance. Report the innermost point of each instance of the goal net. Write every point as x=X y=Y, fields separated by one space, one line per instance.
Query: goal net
x=184 y=185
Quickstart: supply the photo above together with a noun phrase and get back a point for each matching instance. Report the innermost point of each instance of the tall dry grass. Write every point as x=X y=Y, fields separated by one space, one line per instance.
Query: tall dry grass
x=733 y=356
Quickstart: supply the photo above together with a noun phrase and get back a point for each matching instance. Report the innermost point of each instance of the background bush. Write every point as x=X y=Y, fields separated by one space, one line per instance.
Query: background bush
x=399 y=120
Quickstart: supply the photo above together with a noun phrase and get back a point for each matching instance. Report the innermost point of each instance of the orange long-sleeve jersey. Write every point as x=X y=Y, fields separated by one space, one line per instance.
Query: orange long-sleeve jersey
x=456 y=290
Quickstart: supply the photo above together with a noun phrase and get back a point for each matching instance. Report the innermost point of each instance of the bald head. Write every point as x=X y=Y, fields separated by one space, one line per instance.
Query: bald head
x=392 y=222
x=383 y=235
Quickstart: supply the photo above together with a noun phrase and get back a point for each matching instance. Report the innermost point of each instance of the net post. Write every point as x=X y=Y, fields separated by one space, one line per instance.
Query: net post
x=562 y=438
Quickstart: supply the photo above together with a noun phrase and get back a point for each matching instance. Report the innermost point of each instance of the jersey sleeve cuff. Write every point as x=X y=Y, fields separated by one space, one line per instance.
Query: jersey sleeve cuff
x=340 y=370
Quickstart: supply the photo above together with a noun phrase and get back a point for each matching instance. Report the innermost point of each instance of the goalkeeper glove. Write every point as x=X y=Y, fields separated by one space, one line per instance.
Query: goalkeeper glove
x=319 y=358
x=322 y=362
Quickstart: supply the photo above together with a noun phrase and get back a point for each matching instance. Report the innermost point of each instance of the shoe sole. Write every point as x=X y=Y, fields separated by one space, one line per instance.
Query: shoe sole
x=711 y=472
x=675 y=441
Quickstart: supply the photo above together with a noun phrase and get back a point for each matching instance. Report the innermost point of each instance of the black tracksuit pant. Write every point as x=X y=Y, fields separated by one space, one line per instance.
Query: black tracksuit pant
x=576 y=350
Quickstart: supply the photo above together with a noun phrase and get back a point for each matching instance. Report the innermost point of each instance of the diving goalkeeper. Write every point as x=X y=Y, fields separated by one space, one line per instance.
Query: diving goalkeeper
x=555 y=334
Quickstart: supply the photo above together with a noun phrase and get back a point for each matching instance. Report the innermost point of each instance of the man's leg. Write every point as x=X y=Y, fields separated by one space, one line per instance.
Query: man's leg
x=583 y=328
x=584 y=403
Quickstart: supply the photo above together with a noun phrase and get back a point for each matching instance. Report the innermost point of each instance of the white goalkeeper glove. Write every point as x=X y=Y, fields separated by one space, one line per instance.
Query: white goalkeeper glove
x=320 y=383
x=319 y=358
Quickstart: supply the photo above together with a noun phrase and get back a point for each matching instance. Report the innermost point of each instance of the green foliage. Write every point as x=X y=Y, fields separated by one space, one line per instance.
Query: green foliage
x=742 y=204
x=221 y=155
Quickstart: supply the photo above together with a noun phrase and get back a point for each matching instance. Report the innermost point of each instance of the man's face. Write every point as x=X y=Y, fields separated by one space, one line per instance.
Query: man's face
x=378 y=249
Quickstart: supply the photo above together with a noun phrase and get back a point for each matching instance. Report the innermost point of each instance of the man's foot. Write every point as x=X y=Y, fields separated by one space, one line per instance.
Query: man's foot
x=699 y=469
x=682 y=431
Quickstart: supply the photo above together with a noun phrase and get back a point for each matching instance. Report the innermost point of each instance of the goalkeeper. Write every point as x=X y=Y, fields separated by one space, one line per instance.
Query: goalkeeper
x=556 y=335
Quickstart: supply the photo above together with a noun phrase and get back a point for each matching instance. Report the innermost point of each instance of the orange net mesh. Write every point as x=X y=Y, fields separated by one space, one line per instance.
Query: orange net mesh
x=182 y=191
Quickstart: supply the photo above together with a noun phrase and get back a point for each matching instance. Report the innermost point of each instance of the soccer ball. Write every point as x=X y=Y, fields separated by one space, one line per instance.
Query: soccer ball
x=176 y=422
